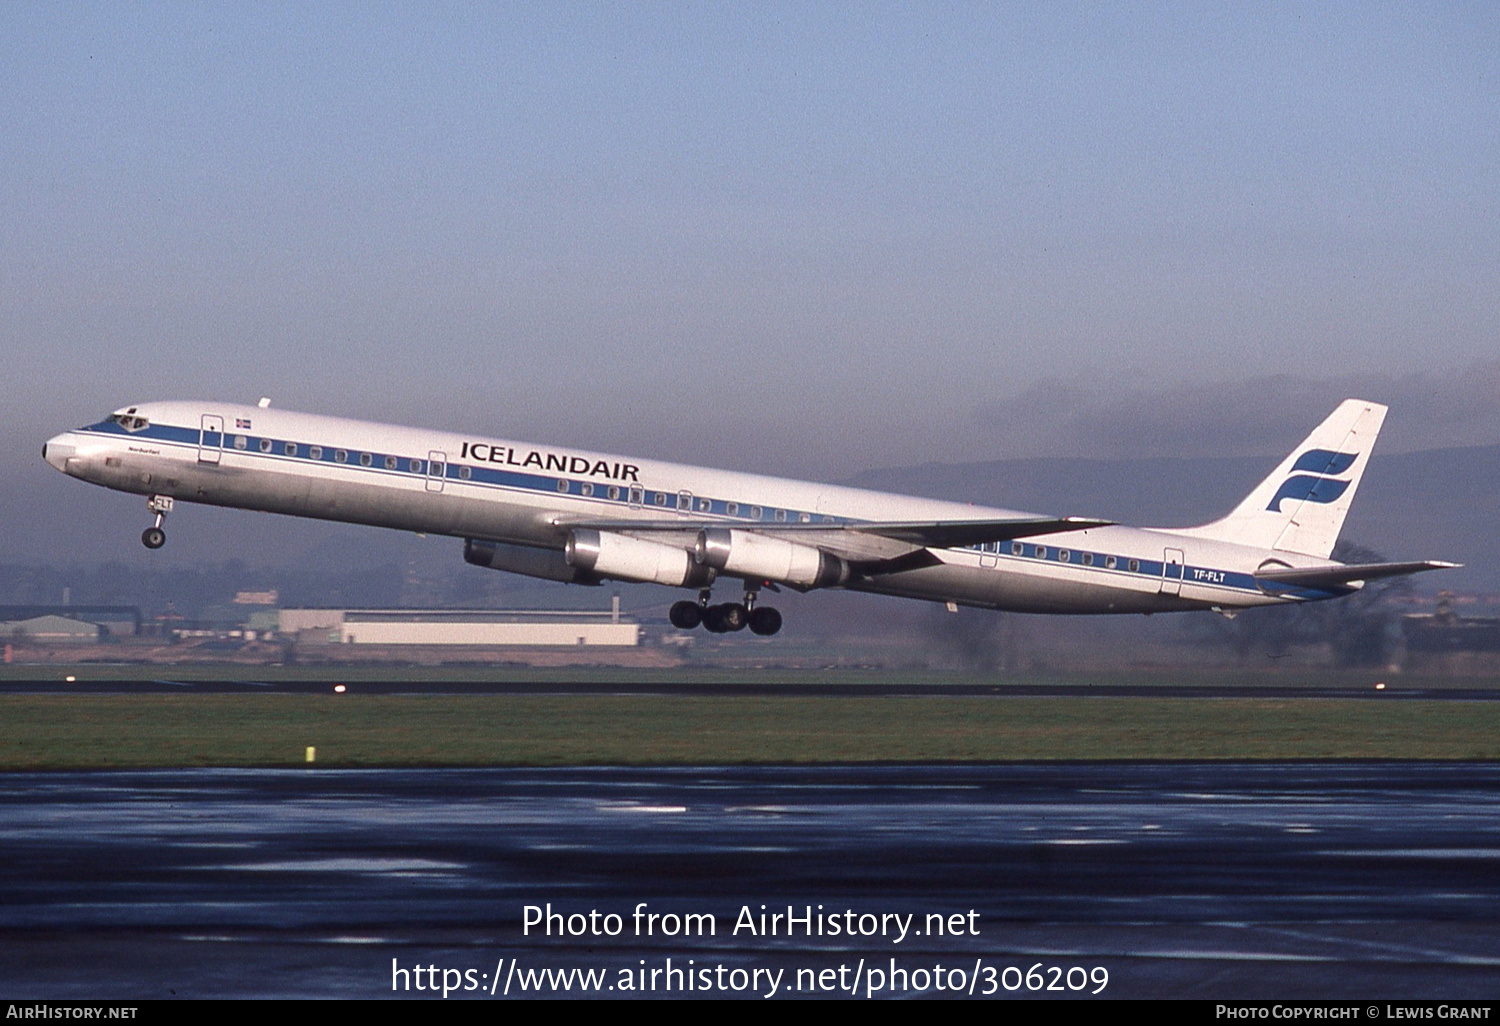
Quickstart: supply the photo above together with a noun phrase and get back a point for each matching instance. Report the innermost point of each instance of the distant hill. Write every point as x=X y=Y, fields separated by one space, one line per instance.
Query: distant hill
x=1439 y=504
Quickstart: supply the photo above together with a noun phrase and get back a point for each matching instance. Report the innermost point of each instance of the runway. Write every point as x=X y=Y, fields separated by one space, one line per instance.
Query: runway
x=1361 y=881
x=1393 y=692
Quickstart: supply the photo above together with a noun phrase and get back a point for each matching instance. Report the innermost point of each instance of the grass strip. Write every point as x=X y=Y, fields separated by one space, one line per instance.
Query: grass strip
x=117 y=731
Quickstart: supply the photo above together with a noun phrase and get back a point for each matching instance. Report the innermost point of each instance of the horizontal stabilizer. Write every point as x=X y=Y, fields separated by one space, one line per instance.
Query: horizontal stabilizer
x=1317 y=576
x=941 y=534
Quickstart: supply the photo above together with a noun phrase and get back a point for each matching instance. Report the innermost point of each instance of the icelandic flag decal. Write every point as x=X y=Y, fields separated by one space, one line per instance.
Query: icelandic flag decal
x=242 y=422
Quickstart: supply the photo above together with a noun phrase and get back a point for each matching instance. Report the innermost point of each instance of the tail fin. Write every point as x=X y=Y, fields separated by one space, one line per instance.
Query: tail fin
x=1301 y=507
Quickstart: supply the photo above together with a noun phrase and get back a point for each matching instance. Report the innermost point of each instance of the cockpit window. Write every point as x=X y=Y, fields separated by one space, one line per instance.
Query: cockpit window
x=130 y=422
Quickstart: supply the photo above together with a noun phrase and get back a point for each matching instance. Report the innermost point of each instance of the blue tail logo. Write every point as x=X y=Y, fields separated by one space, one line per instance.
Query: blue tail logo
x=1318 y=485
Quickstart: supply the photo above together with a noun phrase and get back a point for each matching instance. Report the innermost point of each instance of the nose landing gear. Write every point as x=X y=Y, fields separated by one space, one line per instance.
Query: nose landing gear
x=154 y=537
x=728 y=617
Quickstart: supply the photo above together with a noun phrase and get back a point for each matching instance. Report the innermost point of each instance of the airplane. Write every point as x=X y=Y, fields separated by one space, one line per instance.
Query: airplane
x=579 y=517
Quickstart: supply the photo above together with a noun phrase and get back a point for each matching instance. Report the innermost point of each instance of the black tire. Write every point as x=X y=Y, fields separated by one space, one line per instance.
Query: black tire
x=713 y=620
x=153 y=537
x=685 y=615
x=734 y=616
x=764 y=621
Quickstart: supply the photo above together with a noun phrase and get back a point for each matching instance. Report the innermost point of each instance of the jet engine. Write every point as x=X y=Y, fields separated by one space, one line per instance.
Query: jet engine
x=525 y=559
x=758 y=556
x=615 y=555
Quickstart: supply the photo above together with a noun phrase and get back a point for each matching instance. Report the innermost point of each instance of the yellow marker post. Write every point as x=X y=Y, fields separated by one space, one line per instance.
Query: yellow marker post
x=312 y=754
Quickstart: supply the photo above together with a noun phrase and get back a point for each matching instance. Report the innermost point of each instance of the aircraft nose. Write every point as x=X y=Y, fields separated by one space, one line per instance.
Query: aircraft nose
x=57 y=450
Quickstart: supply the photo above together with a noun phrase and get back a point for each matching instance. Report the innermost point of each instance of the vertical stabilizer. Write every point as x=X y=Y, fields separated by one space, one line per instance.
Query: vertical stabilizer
x=1301 y=507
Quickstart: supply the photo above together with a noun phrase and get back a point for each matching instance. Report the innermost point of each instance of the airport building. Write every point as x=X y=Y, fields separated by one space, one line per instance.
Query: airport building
x=1445 y=642
x=50 y=630
x=481 y=627
x=114 y=621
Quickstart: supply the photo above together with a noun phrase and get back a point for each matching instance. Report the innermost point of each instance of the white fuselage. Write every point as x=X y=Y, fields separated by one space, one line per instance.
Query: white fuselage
x=435 y=482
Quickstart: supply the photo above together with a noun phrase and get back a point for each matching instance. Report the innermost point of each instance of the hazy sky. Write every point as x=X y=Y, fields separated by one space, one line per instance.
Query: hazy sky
x=799 y=238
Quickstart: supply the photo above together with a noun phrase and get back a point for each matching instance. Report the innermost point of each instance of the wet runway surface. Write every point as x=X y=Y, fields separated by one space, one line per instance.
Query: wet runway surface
x=1361 y=881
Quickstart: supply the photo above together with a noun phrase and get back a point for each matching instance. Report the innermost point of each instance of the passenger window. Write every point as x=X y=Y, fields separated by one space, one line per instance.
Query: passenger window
x=755 y=512
x=614 y=493
x=1087 y=559
x=1041 y=552
x=732 y=508
x=1017 y=549
x=365 y=459
x=705 y=505
x=290 y=448
x=340 y=456
x=660 y=498
x=390 y=463
x=316 y=452
x=806 y=518
x=415 y=466
x=464 y=473
x=1135 y=566
x=265 y=445
x=586 y=489
x=1064 y=556
x=637 y=495
x=240 y=441
x=438 y=470
x=1110 y=562
x=562 y=485
x=781 y=516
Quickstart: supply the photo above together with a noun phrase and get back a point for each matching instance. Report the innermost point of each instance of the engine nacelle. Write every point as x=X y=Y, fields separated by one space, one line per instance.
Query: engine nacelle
x=761 y=557
x=548 y=564
x=631 y=559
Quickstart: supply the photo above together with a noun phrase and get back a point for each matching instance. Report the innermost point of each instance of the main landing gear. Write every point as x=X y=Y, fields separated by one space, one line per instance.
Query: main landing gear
x=731 y=616
x=154 y=537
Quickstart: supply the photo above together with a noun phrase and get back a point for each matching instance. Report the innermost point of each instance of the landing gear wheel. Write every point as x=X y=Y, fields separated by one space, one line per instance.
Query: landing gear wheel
x=685 y=615
x=153 y=537
x=733 y=616
x=764 y=621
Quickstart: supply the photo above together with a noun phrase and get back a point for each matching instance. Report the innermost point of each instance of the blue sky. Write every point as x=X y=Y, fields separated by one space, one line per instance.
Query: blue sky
x=798 y=238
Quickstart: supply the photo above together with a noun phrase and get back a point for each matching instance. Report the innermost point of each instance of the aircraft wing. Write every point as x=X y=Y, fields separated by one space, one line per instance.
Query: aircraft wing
x=1348 y=573
x=948 y=534
x=938 y=534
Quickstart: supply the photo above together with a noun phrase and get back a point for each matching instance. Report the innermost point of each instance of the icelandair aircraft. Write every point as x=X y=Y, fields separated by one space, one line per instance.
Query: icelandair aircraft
x=583 y=517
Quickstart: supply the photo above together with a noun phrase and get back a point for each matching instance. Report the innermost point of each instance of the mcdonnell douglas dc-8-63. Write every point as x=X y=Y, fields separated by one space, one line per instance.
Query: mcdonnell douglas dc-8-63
x=582 y=517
